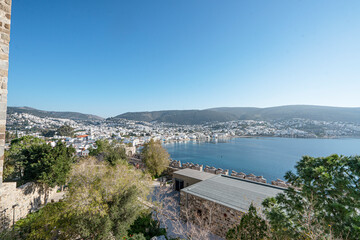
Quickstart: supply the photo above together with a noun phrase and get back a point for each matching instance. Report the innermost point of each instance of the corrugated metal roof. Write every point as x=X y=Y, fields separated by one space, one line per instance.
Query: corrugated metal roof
x=192 y=173
x=233 y=192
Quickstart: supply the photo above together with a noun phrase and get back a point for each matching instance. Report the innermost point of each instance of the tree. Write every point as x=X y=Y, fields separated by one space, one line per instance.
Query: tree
x=323 y=202
x=112 y=153
x=101 y=147
x=106 y=199
x=30 y=159
x=45 y=164
x=251 y=227
x=48 y=133
x=13 y=157
x=65 y=130
x=156 y=157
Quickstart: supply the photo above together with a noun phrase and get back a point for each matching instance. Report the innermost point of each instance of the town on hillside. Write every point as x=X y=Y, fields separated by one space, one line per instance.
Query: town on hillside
x=135 y=133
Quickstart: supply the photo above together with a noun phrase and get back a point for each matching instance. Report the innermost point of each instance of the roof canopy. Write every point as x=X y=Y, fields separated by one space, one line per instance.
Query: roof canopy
x=233 y=192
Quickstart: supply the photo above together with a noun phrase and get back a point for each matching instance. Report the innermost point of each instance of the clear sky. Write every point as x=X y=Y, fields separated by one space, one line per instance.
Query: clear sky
x=108 y=57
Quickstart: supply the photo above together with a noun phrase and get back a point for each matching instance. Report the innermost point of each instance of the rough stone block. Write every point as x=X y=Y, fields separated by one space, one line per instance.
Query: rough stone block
x=5 y=31
x=4 y=64
x=4 y=57
x=4 y=49
x=3 y=73
x=5 y=7
x=3 y=98
x=5 y=37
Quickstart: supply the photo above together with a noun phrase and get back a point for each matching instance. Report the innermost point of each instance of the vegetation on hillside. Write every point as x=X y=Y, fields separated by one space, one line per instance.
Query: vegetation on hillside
x=48 y=133
x=179 y=116
x=65 y=131
x=319 y=113
x=53 y=114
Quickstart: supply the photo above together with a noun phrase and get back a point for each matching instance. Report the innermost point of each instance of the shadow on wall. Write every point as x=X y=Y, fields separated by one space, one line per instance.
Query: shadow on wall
x=36 y=189
x=28 y=198
x=4 y=220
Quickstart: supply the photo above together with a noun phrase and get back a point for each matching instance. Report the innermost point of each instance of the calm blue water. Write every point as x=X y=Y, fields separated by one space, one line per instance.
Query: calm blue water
x=269 y=157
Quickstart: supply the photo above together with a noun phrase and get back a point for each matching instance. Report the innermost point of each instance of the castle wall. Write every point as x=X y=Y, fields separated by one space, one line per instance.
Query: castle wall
x=216 y=217
x=5 y=16
x=18 y=202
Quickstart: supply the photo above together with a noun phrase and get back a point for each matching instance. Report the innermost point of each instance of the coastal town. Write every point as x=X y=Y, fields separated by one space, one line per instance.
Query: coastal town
x=134 y=134
x=138 y=132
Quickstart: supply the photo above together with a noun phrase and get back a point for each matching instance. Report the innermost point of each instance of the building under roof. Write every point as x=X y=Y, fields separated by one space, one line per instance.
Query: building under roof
x=195 y=174
x=187 y=177
x=232 y=192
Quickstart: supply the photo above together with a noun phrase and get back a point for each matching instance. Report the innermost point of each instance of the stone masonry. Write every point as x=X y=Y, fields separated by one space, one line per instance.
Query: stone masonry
x=16 y=203
x=5 y=17
x=216 y=217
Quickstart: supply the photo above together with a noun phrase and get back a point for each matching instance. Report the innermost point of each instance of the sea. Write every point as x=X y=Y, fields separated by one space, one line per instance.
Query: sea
x=269 y=157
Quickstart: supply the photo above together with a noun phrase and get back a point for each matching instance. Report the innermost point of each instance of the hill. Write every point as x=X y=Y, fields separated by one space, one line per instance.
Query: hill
x=224 y=114
x=53 y=114
x=179 y=116
x=320 y=113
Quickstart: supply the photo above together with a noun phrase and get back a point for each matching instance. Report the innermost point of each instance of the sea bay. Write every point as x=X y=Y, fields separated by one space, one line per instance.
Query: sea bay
x=263 y=156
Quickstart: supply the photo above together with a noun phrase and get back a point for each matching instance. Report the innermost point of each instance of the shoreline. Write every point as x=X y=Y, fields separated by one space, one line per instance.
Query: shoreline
x=234 y=137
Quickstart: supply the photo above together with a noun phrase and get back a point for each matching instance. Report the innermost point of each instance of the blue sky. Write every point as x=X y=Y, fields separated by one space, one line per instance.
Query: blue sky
x=113 y=56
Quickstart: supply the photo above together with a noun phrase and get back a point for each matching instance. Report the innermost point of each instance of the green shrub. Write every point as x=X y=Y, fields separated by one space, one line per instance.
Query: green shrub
x=147 y=225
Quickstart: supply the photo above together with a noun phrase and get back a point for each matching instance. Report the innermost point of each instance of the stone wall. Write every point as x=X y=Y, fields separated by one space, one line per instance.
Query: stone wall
x=216 y=217
x=18 y=202
x=5 y=16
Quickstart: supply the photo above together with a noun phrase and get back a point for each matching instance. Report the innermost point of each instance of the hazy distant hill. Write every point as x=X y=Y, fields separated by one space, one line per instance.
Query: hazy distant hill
x=320 y=113
x=41 y=113
x=180 y=116
x=216 y=114
x=240 y=113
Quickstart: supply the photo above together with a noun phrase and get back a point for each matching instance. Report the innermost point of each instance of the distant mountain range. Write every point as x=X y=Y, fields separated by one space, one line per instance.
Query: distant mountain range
x=53 y=114
x=179 y=116
x=320 y=113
